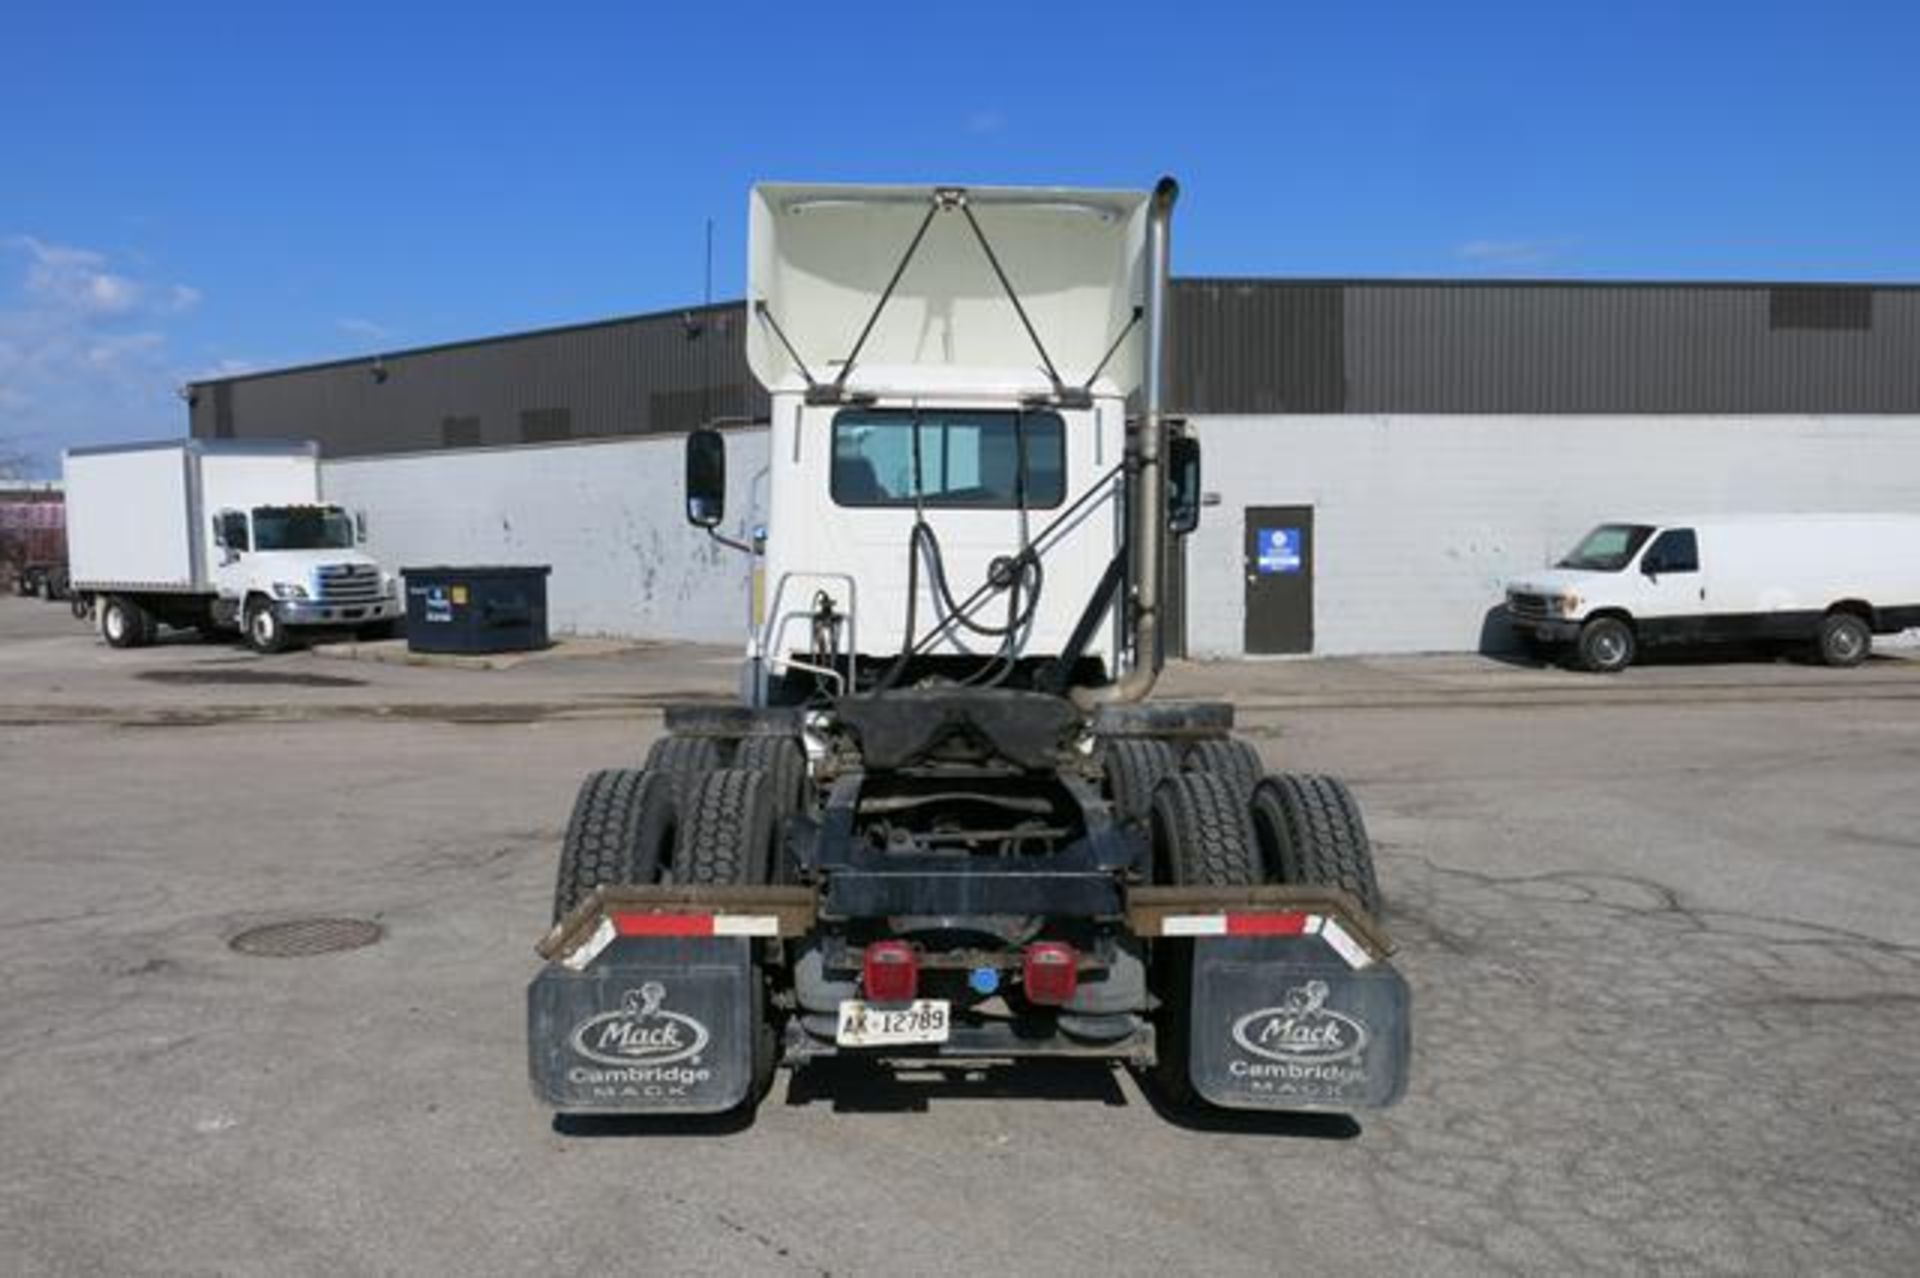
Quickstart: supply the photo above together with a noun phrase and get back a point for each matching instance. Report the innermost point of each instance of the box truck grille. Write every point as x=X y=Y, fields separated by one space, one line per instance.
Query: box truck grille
x=349 y=583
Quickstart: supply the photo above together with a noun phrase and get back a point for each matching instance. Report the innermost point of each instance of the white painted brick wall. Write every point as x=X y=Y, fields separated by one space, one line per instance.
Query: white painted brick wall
x=607 y=516
x=1419 y=520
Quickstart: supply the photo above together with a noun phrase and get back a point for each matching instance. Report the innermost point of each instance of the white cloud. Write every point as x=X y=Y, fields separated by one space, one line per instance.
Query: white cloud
x=75 y=278
x=84 y=346
x=1498 y=253
x=366 y=329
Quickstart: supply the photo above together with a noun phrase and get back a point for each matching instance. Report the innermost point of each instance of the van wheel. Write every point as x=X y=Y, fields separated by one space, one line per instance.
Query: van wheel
x=1845 y=640
x=1606 y=645
x=265 y=634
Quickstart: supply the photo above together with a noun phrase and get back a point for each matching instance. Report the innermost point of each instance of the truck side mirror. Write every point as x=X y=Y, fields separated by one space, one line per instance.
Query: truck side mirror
x=1183 y=485
x=706 y=478
x=360 y=527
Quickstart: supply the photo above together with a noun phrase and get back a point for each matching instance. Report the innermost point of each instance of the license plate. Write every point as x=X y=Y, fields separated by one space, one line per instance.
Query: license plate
x=862 y=1024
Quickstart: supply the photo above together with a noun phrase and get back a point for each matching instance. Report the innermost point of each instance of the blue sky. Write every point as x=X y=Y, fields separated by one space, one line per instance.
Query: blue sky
x=189 y=188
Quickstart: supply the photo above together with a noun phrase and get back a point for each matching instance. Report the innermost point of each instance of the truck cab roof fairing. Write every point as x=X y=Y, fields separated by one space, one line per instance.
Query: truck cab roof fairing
x=820 y=257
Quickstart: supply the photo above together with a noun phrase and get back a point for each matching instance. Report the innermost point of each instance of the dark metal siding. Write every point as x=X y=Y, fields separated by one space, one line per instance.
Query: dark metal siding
x=648 y=375
x=1240 y=346
x=1254 y=346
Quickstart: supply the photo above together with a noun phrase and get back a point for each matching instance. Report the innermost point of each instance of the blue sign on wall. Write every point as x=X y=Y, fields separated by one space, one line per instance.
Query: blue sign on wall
x=1279 y=550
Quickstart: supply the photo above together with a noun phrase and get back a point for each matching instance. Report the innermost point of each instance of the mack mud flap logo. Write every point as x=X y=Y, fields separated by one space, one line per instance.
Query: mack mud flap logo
x=1302 y=1030
x=641 y=1032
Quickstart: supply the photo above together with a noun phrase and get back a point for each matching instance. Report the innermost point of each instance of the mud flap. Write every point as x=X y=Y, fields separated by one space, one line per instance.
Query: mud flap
x=646 y=1025
x=1287 y=1022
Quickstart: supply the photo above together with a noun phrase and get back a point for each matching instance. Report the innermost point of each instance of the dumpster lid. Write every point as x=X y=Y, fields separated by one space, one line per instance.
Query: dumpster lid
x=479 y=570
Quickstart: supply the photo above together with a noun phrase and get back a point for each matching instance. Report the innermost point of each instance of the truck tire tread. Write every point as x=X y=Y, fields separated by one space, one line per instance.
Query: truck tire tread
x=1230 y=758
x=727 y=828
x=621 y=819
x=1134 y=767
x=1310 y=832
x=1202 y=833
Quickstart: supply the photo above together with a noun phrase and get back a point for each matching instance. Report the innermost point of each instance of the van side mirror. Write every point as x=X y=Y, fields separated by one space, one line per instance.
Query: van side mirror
x=1183 y=485
x=706 y=478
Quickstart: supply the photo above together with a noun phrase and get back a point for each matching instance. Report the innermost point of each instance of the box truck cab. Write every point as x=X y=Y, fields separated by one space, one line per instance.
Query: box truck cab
x=218 y=536
x=1833 y=581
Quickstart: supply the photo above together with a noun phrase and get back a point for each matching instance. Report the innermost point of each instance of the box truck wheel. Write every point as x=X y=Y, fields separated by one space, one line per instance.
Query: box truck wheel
x=1605 y=645
x=125 y=623
x=265 y=634
x=1845 y=639
x=621 y=830
x=1310 y=833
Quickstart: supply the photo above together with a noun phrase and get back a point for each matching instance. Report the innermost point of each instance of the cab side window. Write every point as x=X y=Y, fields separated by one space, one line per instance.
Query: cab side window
x=1675 y=550
x=230 y=530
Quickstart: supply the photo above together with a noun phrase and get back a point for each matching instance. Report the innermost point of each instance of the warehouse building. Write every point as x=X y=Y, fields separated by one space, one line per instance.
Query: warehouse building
x=1418 y=441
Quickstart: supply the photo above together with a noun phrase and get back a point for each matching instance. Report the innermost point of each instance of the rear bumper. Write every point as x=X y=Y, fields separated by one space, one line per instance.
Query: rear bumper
x=1276 y=998
x=313 y=612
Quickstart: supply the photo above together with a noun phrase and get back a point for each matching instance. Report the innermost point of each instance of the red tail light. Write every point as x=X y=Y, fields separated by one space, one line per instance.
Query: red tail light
x=1050 y=972
x=890 y=972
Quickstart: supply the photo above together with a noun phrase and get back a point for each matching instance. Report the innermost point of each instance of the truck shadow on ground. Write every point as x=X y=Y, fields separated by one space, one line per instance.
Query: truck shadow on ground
x=867 y=1087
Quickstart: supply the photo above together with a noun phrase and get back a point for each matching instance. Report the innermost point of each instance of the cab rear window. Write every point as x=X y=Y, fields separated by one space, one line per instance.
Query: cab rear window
x=983 y=460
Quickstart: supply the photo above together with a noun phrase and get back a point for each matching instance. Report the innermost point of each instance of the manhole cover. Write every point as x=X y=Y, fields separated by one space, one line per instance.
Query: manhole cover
x=304 y=937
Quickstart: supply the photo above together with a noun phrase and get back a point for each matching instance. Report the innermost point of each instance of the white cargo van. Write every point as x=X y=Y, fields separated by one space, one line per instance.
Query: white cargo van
x=217 y=536
x=1831 y=580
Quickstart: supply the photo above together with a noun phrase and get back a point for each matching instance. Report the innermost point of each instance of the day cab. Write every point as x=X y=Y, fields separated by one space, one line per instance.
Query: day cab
x=1832 y=581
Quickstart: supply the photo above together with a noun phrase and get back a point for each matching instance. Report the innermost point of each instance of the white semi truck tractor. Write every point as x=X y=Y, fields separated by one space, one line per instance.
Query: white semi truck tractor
x=218 y=536
x=946 y=822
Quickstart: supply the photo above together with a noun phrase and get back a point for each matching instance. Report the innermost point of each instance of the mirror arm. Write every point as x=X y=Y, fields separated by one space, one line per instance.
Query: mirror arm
x=730 y=542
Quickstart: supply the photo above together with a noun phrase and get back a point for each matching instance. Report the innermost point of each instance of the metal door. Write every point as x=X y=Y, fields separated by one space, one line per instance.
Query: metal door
x=1279 y=573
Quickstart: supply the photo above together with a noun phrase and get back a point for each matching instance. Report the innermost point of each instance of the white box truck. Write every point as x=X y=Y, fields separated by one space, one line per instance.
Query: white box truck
x=217 y=536
x=1833 y=581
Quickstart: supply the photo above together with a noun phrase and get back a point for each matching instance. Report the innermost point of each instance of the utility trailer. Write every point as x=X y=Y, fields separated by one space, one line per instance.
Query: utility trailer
x=945 y=823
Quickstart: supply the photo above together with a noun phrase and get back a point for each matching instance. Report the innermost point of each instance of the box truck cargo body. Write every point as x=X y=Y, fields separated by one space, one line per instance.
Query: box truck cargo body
x=219 y=535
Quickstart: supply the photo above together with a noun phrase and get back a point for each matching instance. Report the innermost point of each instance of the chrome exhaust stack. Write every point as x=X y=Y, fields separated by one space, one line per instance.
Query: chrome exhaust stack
x=1146 y=450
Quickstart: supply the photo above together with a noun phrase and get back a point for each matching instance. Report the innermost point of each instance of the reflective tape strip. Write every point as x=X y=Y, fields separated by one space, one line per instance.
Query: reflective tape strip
x=1287 y=923
x=589 y=950
x=746 y=925
x=628 y=924
x=1266 y=923
x=1194 y=925
x=1344 y=945
x=663 y=924
x=1271 y=923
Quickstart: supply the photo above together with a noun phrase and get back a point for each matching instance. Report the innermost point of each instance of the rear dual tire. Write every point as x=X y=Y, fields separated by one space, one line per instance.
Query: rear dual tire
x=1310 y=833
x=622 y=828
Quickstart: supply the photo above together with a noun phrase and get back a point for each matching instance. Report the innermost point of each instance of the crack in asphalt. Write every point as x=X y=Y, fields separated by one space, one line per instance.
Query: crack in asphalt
x=1610 y=1075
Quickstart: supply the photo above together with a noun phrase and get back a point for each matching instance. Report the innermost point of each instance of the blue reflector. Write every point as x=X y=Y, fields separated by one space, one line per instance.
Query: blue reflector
x=985 y=980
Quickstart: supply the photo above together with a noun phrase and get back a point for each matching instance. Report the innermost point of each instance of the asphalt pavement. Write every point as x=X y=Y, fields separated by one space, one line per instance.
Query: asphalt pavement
x=1660 y=930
